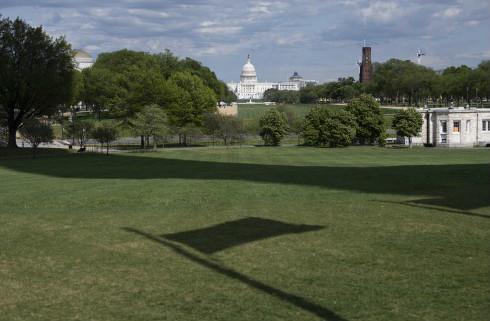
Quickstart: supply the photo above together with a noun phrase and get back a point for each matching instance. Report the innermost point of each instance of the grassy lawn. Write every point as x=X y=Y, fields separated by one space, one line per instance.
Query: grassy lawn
x=247 y=233
x=251 y=113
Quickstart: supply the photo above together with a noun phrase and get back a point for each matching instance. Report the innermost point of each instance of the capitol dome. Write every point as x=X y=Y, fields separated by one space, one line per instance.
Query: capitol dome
x=248 y=72
x=82 y=59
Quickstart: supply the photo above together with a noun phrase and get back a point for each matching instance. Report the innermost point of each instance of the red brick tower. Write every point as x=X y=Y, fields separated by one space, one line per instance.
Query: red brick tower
x=366 y=72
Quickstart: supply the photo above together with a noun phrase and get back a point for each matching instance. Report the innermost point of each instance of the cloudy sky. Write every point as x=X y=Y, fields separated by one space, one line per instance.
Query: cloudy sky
x=320 y=39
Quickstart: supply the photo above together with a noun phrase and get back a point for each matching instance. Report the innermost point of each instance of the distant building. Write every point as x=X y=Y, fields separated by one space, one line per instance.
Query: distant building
x=366 y=66
x=249 y=88
x=83 y=59
x=455 y=127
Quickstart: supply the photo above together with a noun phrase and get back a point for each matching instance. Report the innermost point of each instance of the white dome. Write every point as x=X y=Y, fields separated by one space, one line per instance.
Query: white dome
x=248 y=72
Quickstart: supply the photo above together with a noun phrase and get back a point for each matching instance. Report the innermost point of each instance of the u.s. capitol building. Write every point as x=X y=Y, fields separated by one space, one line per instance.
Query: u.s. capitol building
x=249 y=88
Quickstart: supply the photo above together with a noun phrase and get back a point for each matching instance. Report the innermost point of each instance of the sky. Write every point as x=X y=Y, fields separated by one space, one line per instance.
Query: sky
x=320 y=39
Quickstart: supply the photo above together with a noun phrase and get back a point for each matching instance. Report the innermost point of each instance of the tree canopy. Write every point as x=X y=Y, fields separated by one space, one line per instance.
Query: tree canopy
x=328 y=127
x=407 y=123
x=273 y=127
x=369 y=119
x=36 y=73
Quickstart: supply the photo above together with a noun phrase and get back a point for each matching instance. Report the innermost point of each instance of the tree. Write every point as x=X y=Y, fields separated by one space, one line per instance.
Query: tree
x=369 y=119
x=105 y=133
x=228 y=128
x=102 y=90
x=36 y=133
x=282 y=96
x=189 y=100
x=329 y=127
x=81 y=131
x=407 y=123
x=273 y=127
x=150 y=121
x=35 y=73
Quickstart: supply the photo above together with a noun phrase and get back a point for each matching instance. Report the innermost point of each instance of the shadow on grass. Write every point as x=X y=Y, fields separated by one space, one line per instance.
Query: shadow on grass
x=462 y=186
x=296 y=300
x=229 y=234
x=432 y=208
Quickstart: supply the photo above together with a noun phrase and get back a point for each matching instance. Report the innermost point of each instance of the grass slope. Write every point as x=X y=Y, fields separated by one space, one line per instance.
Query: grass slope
x=247 y=234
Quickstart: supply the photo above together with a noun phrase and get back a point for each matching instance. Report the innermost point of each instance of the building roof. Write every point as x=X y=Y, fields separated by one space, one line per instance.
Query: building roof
x=248 y=69
x=82 y=54
x=453 y=110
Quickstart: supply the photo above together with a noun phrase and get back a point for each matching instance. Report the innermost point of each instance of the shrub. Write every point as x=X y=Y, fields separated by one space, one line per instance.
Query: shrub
x=328 y=127
x=273 y=127
x=36 y=133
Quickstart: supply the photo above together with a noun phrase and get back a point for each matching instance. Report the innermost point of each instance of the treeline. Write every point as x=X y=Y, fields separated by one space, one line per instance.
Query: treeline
x=399 y=82
x=124 y=82
x=360 y=122
x=39 y=78
x=341 y=90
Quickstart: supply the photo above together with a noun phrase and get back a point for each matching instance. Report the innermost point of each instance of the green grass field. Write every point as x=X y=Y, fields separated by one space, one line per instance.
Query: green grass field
x=251 y=113
x=285 y=233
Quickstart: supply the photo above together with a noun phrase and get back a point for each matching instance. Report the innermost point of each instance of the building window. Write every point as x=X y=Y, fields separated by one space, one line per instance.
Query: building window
x=456 y=127
x=468 y=126
x=443 y=127
x=485 y=125
x=443 y=131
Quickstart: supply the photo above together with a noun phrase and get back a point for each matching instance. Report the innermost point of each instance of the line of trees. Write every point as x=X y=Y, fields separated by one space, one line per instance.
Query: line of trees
x=399 y=82
x=404 y=82
x=38 y=78
x=360 y=122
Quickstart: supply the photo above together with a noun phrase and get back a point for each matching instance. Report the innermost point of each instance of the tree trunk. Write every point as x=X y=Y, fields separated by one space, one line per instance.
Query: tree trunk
x=142 y=141
x=410 y=142
x=12 y=131
x=154 y=143
x=107 y=149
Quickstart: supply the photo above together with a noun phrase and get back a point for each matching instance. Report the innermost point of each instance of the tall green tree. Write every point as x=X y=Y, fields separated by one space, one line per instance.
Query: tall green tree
x=407 y=123
x=103 y=90
x=188 y=100
x=273 y=127
x=36 y=73
x=369 y=119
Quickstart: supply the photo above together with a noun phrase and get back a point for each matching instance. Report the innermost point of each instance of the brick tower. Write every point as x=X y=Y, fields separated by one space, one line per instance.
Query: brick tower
x=366 y=72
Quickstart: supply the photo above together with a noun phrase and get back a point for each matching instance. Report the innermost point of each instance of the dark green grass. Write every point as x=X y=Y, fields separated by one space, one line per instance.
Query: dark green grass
x=247 y=234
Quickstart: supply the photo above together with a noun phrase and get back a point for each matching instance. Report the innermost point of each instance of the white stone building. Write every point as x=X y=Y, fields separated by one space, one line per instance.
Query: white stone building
x=455 y=127
x=83 y=59
x=249 y=88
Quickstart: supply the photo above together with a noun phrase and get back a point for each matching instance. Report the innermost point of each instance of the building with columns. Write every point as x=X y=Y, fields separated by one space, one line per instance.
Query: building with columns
x=250 y=88
x=454 y=127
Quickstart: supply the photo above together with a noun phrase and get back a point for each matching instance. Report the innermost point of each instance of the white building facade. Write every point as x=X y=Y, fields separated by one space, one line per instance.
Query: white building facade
x=249 y=88
x=83 y=59
x=455 y=127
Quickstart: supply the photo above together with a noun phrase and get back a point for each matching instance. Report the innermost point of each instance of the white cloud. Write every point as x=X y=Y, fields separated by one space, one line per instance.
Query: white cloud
x=450 y=12
x=472 y=23
x=381 y=12
x=224 y=30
